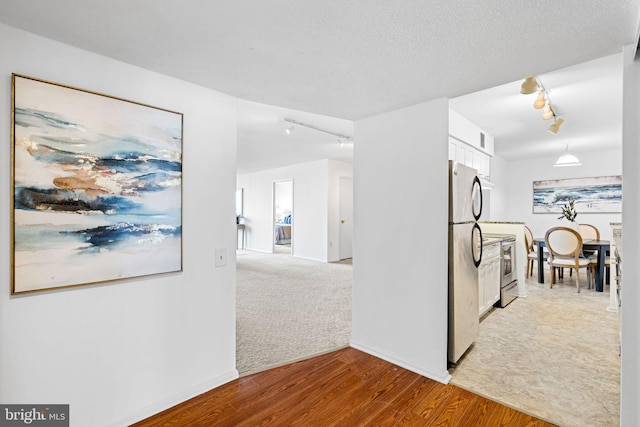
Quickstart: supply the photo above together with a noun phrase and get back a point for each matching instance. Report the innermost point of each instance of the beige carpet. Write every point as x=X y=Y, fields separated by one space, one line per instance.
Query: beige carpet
x=289 y=309
x=554 y=355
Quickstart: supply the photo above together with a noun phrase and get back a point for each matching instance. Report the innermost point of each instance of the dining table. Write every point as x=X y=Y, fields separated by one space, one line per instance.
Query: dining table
x=602 y=246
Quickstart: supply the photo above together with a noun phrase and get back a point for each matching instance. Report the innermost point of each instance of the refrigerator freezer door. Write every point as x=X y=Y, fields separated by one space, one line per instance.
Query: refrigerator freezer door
x=463 y=290
x=465 y=196
x=476 y=198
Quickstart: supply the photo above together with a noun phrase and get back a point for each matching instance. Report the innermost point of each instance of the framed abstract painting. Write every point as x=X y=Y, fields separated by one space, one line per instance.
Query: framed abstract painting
x=96 y=185
x=601 y=194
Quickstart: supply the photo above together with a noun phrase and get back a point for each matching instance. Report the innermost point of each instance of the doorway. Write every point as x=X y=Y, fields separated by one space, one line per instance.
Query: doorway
x=283 y=223
x=345 y=250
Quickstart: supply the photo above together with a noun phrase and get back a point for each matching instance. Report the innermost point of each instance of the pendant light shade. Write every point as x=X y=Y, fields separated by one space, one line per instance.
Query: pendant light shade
x=529 y=85
x=555 y=127
x=567 y=159
x=540 y=100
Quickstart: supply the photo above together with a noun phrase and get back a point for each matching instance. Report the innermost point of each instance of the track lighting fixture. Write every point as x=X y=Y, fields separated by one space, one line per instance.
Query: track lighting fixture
x=567 y=159
x=532 y=84
x=342 y=139
x=555 y=127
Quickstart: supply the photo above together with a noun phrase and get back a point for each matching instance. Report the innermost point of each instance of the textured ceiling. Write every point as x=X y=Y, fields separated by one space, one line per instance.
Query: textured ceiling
x=347 y=59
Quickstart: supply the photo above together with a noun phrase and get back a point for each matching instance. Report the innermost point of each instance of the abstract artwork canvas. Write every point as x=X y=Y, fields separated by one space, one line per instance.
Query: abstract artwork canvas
x=590 y=195
x=97 y=187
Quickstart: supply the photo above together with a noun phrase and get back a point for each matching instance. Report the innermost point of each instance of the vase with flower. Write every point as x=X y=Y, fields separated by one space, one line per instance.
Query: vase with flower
x=569 y=214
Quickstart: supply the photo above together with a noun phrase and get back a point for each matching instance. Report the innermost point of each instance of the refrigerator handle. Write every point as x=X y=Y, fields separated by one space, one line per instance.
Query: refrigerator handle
x=477 y=261
x=476 y=191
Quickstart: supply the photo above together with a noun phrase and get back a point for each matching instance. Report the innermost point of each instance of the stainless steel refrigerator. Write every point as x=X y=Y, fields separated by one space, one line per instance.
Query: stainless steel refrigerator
x=465 y=256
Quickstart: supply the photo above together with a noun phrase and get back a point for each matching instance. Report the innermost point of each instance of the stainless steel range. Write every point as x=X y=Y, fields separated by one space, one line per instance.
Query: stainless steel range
x=508 y=280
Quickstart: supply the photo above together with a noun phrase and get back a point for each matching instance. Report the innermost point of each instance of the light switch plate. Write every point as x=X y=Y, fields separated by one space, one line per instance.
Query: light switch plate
x=221 y=257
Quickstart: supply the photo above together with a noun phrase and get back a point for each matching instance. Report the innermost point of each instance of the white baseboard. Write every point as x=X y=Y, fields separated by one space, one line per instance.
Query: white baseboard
x=443 y=378
x=177 y=399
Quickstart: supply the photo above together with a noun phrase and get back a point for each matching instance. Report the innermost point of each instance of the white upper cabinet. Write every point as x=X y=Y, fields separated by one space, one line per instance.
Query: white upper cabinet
x=469 y=145
x=463 y=130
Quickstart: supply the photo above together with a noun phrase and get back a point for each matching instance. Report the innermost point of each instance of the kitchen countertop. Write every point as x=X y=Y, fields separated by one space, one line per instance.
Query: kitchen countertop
x=500 y=222
x=491 y=238
x=486 y=241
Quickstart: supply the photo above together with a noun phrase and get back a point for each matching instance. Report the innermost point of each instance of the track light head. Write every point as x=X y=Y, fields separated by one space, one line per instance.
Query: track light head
x=292 y=122
x=541 y=100
x=529 y=85
x=555 y=127
x=547 y=112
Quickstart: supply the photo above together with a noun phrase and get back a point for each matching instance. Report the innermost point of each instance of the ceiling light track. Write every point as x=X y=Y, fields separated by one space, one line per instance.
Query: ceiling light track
x=341 y=137
x=533 y=84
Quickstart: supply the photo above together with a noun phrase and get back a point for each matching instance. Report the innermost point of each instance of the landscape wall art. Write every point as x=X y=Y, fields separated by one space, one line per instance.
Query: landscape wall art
x=590 y=195
x=97 y=187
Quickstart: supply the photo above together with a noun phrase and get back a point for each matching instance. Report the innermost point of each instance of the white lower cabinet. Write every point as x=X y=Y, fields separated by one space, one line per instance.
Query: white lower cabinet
x=489 y=277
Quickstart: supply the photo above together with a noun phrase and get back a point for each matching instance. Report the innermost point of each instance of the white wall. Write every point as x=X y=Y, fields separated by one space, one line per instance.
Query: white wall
x=517 y=187
x=122 y=351
x=630 y=361
x=400 y=237
x=313 y=200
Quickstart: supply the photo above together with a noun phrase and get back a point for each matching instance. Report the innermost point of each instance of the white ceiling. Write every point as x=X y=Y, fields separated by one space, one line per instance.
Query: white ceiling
x=349 y=59
x=587 y=96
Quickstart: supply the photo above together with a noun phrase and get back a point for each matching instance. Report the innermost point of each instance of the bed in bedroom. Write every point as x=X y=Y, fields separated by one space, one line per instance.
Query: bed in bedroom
x=282 y=231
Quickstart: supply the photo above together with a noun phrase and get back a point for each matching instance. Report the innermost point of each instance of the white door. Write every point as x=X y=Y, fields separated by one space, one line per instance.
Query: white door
x=346 y=218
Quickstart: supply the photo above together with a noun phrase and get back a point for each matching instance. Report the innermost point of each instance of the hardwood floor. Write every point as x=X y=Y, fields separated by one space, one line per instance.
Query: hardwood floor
x=343 y=388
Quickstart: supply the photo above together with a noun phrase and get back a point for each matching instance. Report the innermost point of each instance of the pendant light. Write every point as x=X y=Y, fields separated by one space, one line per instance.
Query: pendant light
x=547 y=112
x=567 y=159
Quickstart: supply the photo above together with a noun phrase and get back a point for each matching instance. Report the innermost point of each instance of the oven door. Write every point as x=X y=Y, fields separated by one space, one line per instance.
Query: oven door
x=507 y=294
x=508 y=263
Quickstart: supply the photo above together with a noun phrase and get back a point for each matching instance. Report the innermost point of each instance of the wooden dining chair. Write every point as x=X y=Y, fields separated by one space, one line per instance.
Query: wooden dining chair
x=593 y=265
x=565 y=247
x=532 y=253
x=590 y=232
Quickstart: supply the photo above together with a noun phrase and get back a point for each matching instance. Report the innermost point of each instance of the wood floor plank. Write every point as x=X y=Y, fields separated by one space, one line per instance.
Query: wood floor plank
x=345 y=388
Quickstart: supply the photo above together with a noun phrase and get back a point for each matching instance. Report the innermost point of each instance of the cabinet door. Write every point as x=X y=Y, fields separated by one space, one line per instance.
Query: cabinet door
x=493 y=283
x=465 y=155
x=478 y=161
x=482 y=278
x=482 y=163
x=453 y=150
